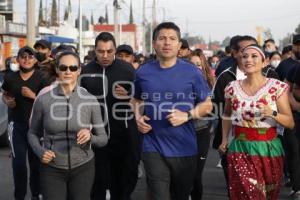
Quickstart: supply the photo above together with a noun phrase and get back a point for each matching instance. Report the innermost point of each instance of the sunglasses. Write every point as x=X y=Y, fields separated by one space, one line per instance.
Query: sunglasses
x=72 y=68
x=27 y=56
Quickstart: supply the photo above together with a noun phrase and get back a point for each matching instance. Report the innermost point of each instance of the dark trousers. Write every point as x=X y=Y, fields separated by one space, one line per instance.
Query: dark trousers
x=203 y=141
x=76 y=183
x=169 y=177
x=292 y=146
x=21 y=148
x=116 y=170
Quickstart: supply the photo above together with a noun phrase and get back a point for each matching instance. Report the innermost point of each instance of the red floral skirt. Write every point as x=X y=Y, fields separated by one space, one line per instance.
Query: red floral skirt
x=255 y=164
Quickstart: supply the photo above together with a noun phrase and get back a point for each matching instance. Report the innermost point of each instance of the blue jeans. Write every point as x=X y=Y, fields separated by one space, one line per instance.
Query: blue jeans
x=21 y=149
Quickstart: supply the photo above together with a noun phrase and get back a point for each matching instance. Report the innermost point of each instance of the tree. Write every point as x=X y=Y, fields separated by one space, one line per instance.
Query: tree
x=106 y=15
x=286 y=40
x=148 y=37
x=54 y=18
x=131 y=14
x=215 y=42
x=68 y=11
x=226 y=41
x=101 y=20
x=297 y=30
x=66 y=15
x=41 y=16
x=92 y=19
x=194 y=40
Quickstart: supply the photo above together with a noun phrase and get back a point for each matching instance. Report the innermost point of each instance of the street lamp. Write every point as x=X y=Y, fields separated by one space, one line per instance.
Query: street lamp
x=80 y=30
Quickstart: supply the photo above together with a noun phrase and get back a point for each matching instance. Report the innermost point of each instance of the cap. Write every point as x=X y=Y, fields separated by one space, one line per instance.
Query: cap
x=43 y=43
x=124 y=47
x=185 y=44
x=296 y=38
x=26 y=49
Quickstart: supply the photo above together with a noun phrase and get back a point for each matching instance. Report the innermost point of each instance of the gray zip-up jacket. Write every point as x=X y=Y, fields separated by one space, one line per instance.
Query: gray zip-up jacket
x=55 y=122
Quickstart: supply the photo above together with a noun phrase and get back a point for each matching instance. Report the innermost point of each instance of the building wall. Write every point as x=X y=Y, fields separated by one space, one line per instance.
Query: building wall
x=10 y=46
x=128 y=33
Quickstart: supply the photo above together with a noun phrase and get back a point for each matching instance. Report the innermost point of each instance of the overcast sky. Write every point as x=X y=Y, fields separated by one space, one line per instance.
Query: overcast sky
x=214 y=18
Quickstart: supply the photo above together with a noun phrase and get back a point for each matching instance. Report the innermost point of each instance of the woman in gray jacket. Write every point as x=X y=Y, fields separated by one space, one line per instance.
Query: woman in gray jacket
x=65 y=122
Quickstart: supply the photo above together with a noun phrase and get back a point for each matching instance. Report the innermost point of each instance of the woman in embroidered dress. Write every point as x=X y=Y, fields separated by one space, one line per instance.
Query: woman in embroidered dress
x=253 y=107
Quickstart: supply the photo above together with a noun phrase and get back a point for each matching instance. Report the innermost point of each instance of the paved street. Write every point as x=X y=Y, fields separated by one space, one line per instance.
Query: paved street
x=214 y=185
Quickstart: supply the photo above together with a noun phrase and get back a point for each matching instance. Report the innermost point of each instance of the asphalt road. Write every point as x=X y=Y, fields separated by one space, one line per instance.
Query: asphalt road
x=214 y=184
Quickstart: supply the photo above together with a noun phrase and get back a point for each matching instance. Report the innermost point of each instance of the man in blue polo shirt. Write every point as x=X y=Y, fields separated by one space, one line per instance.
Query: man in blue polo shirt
x=171 y=92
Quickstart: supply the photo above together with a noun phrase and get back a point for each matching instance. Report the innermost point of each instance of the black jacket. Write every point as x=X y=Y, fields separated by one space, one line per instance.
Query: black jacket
x=101 y=82
x=218 y=96
x=121 y=125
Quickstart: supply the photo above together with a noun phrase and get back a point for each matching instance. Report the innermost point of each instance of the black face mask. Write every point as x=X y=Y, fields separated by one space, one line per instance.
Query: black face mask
x=25 y=70
x=41 y=56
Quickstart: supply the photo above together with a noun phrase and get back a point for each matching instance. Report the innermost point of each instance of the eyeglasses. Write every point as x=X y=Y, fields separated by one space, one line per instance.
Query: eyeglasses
x=27 y=56
x=72 y=68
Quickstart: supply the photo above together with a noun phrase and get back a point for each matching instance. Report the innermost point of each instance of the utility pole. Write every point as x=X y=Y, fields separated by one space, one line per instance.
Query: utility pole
x=80 y=29
x=144 y=27
x=58 y=12
x=30 y=23
x=153 y=25
x=46 y=14
x=187 y=27
x=164 y=13
x=116 y=22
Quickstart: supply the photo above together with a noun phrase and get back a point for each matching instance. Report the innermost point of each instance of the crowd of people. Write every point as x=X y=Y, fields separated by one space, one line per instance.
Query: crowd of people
x=85 y=127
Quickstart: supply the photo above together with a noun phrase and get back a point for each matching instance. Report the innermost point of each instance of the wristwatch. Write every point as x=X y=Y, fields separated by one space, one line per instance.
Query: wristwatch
x=189 y=115
x=274 y=113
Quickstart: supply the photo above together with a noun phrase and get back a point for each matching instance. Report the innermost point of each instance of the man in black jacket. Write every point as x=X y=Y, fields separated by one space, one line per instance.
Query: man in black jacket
x=45 y=63
x=110 y=80
x=288 y=71
x=233 y=73
x=229 y=61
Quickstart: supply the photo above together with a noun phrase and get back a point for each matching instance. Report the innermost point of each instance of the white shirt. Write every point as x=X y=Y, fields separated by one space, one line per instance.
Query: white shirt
x=240 y=75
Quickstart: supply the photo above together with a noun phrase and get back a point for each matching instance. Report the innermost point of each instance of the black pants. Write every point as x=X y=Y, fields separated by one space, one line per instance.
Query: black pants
x=203 y=141
x=169 y=176
x=292 y=146
x=76 y=184
x=116 y=170
x=21 y=149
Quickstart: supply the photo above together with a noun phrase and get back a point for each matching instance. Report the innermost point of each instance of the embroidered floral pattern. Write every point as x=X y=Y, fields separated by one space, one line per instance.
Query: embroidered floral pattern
x=235 y=104
x=246 y=109
x=272 y=90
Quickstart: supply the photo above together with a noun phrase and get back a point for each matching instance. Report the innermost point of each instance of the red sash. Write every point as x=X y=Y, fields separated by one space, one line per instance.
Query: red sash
x=258 y=134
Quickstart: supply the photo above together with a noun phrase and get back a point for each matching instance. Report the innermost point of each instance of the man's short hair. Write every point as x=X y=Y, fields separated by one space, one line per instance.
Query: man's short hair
x=184 y=44
x=166 y=25
x=269 y=40
x=287 y=49
x=105 y=37
x=246 y=38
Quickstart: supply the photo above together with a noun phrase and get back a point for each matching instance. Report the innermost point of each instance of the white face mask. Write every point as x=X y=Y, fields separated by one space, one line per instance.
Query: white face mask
x=214 y=65
x=269 y=50
x=275 y=63
x=14 y=67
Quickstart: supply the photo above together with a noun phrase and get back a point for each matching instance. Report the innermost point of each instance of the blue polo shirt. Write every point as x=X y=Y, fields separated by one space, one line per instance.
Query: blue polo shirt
x=180 y=87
